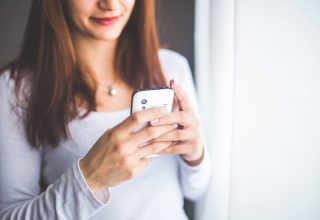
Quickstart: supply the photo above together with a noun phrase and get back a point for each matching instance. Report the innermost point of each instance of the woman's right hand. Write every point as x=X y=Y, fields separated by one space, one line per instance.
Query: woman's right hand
x=117 y=157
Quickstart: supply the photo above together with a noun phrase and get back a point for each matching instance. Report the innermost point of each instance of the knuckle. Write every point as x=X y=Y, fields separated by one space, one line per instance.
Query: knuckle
x=130 y=174
x=150 y=132
x=115 y=136
x=121 y=148
x=125 y=162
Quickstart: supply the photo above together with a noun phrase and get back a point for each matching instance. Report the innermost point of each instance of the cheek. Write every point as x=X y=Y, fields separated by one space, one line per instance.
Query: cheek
x=80 y=9
x=128 y=5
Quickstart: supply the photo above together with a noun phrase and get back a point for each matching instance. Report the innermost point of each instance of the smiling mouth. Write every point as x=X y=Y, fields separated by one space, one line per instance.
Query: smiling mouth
x=106 y=21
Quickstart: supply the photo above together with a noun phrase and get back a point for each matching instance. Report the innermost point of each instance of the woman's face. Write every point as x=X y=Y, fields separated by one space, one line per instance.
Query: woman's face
x=100 y=19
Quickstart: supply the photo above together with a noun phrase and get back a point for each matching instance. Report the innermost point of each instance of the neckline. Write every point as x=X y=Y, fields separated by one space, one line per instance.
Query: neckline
x=124 y=110
x=110 y=113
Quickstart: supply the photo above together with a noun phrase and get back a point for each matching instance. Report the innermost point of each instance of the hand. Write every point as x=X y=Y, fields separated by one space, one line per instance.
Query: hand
x=186 y=140
x=117 y=157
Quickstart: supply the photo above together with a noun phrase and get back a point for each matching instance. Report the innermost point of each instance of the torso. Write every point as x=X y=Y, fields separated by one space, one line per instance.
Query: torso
x=157 y=189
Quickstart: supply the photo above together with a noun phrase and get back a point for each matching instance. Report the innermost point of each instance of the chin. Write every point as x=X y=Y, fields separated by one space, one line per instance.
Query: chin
x=110 y=36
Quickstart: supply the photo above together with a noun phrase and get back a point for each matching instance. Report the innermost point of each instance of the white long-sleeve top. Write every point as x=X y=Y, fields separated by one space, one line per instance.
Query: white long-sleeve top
x=156 y=193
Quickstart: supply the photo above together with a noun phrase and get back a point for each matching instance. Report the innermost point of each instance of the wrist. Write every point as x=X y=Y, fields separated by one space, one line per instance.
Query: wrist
x=195 y=159
x=87 y=177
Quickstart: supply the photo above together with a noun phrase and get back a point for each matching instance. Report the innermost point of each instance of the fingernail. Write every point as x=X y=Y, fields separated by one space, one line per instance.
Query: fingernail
x=171 y=83
x=175 y=125
x=155 y=121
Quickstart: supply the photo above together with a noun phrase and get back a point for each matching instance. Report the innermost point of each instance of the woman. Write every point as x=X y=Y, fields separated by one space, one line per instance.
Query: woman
x=67 y=150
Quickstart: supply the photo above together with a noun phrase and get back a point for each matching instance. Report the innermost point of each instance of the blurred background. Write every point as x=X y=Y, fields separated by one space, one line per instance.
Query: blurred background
x=256 y=65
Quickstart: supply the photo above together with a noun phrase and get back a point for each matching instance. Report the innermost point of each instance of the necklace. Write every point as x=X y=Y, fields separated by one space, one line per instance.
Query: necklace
x=110 y=89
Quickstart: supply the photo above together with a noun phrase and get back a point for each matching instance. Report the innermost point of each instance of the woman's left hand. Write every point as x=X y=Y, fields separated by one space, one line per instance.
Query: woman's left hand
x=186 y=140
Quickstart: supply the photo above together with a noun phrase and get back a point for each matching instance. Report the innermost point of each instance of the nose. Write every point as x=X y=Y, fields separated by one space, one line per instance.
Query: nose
x=109 y=5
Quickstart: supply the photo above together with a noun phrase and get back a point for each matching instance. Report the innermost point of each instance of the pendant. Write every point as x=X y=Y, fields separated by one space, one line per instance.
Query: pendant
x=113 y=91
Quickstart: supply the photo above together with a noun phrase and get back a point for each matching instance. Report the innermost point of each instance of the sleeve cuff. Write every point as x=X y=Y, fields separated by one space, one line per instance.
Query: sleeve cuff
x=195 y=179
x=100 y=198
x=198 y=167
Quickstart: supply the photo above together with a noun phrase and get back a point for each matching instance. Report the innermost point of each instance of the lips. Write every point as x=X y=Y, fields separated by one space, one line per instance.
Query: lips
x=106 y=21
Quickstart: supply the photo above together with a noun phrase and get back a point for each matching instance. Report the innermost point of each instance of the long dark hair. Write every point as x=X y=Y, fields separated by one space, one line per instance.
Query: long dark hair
x=56 y=76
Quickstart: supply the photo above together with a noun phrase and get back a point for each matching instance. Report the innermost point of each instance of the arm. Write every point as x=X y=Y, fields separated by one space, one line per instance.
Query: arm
x=20 y=167
x=194 y=179
x=71 y=196
x=194 y=161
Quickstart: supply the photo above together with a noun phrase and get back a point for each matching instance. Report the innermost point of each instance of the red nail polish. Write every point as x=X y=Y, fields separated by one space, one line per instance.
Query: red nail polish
x=171 y=82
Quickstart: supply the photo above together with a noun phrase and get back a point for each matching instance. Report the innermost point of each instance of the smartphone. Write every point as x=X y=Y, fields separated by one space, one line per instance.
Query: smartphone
x=148 y=98
x=154 y=97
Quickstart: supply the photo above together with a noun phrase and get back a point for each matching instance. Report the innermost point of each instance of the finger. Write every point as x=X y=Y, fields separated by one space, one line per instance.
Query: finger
x=153 y=148
x=141 y=117
x=179 y=117
x=176 y=149
x=176 y=135
x=182 y=97
x=175 y=106
x=149 y=133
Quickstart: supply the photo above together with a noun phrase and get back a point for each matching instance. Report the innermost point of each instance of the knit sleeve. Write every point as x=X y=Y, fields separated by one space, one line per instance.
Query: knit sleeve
x=20 y=171
x=194 y=180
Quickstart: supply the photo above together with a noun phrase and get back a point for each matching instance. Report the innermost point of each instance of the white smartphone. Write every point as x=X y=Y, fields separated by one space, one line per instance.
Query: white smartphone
x=148 y=98
x=155 y=97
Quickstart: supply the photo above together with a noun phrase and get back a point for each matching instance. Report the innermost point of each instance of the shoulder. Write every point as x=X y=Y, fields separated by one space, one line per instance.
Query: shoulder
x=169 y=57
x=4 y=77
x=9 y=99
x=6 y=88
x=174 y=65
x=6 y=85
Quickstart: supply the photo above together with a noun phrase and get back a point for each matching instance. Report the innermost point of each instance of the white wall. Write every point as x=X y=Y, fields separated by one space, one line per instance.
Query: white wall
x=275 y=171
